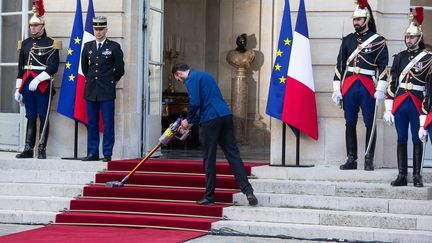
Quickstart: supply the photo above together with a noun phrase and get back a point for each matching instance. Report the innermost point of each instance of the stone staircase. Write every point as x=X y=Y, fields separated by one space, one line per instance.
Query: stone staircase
x=326 y=203
x=33 y=191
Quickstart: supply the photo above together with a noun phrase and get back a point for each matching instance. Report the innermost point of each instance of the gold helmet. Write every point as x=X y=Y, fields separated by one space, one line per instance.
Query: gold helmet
x=38 y=13
x=361 y=10
x=415 y=23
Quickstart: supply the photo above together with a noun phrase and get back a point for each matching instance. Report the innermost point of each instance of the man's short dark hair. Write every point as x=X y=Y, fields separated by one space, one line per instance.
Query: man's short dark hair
x=180 y=67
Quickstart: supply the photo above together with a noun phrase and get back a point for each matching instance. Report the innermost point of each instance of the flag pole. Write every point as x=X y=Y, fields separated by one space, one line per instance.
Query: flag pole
x=75 y=156
x=283 y=142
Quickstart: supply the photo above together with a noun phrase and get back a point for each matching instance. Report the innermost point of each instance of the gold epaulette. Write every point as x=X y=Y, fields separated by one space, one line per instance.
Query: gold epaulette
x=57 y=44
x=19 y=45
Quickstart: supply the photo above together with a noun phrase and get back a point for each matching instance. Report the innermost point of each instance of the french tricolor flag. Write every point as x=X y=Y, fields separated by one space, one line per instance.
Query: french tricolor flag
x=80 y=112
x=299 y=109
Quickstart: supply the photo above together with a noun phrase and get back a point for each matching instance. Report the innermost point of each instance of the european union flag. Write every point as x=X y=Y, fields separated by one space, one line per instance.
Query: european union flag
x=66 y=103
x=279 y=75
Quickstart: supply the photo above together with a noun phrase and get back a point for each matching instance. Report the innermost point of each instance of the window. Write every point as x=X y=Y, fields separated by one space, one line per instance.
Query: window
x=12 y=16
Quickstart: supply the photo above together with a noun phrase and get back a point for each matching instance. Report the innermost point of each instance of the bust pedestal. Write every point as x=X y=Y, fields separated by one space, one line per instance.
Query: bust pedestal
x=239 y=91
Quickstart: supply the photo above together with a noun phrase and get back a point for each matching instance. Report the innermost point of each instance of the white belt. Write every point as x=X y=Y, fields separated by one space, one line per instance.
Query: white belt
x=358 y=70
x=410 y=86
x=31 y=67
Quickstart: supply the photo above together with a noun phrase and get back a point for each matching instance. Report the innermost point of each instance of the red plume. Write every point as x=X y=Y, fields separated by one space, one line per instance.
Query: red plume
x=40 y=6
x=419 y=15
x=363 y=4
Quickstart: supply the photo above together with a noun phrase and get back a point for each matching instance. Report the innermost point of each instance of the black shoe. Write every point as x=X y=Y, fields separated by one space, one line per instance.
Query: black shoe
x=25 y=154
x=106 y=159
x=401 y=180
x=252 y=199
x=368 y=166
x=41 y=152
x=91 y=157
x=205 y=201
x=349 y=165
x=418 y=181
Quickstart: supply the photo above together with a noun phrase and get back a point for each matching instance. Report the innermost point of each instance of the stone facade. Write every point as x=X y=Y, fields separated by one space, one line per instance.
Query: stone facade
x=208 y=29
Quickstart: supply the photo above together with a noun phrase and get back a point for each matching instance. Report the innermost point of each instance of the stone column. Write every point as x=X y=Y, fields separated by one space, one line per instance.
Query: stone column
x=239 y=104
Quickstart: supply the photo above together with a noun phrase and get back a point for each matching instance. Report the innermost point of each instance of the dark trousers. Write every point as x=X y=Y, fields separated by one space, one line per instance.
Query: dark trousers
x=407 y=115
x=36 y=103
x=221 y=131
x=358 y=97
x=107 y=109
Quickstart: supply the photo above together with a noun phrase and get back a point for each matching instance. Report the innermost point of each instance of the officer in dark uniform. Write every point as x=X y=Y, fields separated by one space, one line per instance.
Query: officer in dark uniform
x=410 y=72
x=360 y=78
x=38 y=62
x=103 y=66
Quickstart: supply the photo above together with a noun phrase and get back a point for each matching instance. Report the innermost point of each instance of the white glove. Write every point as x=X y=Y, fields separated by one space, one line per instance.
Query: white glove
x=422 y=133
x=379 y=97
x=35 y=82
x=18 y=96
x=388 y=118
x=337 y=95
x=388 y=115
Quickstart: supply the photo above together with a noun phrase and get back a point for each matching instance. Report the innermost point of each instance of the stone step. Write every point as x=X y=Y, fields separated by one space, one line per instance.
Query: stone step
x=326 y=217
x=332 y=173
x=47 y=177
x=358 y=204
x=58 y=165
x=26 y=217
x=29 y=203
x=341 y=189
x=321 y=232
x=41 y=190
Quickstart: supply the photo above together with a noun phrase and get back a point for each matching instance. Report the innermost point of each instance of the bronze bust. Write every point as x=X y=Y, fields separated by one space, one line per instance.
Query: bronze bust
x=241 y=57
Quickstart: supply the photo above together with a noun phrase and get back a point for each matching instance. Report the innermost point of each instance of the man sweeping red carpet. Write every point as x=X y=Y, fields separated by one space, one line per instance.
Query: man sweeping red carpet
x=208 y=109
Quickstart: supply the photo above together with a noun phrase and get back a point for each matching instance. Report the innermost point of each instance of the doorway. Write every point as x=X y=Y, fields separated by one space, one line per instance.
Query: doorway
x=14 y=16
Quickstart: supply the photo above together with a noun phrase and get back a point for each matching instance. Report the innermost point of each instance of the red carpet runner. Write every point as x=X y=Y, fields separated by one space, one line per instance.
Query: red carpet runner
x=160 y=195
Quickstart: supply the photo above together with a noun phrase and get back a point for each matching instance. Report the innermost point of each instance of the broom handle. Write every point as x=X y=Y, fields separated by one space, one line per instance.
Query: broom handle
x=143 y=160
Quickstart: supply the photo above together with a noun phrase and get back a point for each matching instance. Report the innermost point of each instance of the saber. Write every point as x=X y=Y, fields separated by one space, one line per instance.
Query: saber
x=423 y=155
x=372 y=132
x=42 y=136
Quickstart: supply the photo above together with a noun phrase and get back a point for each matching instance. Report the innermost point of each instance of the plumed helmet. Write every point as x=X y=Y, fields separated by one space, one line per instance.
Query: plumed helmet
x=38 y=13
x=416 y=18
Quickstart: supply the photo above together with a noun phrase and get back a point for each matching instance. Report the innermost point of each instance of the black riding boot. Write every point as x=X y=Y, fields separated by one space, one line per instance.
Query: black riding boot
x=402 y=158
x=29 y=141
x=351 y=147
x=417 y=160
x=44 y=141
x=369 y=157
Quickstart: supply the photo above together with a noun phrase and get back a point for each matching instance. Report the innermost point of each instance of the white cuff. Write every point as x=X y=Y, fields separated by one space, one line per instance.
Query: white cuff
x=18 y=83
x=336 y=86
x=422 y=119
x=388 y=104
x=43 y=76
x=382 y=86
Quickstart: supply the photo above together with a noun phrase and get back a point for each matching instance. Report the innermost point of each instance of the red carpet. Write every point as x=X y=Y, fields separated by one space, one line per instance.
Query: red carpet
x=157 y=203
x=94 y=234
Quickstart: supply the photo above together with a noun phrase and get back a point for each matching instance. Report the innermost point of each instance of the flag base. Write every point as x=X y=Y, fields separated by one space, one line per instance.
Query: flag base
x=299 y=166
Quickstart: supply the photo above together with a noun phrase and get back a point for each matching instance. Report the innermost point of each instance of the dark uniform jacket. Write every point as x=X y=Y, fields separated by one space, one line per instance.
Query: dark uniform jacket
x=373 y=57
x=425 y=74
x=38 y=55
x=102 y=68
x=417 y=75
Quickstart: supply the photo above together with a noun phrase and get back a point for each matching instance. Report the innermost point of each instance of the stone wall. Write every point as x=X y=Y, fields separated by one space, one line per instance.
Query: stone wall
x=122 y=26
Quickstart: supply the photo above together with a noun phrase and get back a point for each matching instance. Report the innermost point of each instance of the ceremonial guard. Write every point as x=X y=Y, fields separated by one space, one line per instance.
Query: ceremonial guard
x=360 y=81
x=38 y=62
x=103 y=66
x=410 y=72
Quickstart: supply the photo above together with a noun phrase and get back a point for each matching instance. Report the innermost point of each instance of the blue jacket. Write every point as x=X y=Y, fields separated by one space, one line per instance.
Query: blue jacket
x=205 y=99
